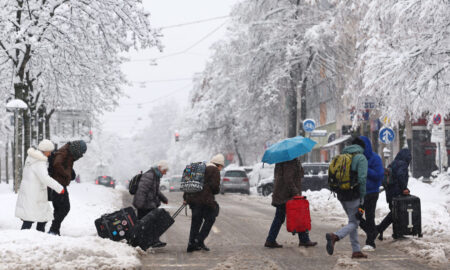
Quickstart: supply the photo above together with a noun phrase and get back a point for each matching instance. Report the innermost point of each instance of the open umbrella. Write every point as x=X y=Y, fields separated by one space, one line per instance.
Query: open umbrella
x=288 y=149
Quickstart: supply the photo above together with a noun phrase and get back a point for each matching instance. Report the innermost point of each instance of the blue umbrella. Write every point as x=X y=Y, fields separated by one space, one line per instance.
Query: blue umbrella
x=288 y=149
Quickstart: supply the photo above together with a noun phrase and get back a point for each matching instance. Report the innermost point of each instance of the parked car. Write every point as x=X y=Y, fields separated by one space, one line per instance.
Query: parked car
x=316 y=178
x=105 y=181
x=164 y=184
x=174 y=183
x=235 y=180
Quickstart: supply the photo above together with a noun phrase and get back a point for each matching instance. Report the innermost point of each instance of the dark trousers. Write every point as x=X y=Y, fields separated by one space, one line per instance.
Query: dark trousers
x=386 y=221
x=61 y=206
x=278 y=220
x=203 y=218
x=27 y=225
x=143 y=212
x=368 y=225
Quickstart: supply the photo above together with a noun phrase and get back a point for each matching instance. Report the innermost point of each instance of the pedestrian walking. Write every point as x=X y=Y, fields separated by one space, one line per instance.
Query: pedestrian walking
x=287 y=184
x=148 y=196
x=352 y=199
x=61 y=169
x=397 y=186
x=375 y=175
x=203 y=205
x=32 y=204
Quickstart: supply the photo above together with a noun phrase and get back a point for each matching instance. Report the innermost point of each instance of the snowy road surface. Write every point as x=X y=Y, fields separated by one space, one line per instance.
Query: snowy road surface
x=237 y=240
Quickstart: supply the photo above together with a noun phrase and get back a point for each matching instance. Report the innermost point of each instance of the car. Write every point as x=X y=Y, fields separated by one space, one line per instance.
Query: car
x=105 y=181
x=315 y=178
x=174 y=183
x=164 y=184
x=235 y=180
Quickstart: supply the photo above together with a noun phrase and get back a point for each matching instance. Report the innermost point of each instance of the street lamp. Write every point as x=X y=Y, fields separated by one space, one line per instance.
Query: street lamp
x=16 y=105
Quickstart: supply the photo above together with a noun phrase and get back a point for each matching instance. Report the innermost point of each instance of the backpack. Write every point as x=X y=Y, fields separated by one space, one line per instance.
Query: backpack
x=134 y=183
x=340 y=176
x=193 y=177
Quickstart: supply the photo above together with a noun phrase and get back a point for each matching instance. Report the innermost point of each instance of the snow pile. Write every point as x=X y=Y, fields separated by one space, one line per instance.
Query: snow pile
x=79 y=247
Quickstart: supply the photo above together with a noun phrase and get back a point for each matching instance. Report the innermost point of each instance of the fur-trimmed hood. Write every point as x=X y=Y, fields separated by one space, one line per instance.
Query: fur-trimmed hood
x=35 y=155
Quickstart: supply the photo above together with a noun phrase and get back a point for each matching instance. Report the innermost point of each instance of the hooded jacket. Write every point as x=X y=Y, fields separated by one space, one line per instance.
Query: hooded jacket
x=399 y=174
x=62 y=165
x=32 y=204
x=148 y=195
x=287 y=182
x=359 y=165
x=375 y=170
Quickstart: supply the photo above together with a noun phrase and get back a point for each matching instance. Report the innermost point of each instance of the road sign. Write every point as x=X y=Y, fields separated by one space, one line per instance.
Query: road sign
x=386 y=135
x=319 y=133
x=437 y=119
x=309 y=125
x=437 y=134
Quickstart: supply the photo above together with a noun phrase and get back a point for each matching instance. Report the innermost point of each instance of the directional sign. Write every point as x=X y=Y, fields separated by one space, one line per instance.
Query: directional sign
x=386 y=135
x=437 y=119
x=309 y=125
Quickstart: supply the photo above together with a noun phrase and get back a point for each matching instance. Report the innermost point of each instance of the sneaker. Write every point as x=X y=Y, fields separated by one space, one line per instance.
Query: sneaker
x=368 y=248
x=331 y=240
x=272 y=245
x=359 y=255
x=307 y=244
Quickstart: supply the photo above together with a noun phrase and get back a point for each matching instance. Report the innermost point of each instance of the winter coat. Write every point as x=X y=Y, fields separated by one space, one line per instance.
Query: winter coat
x=211 y=187
x=148 y=196
x=62 y=165
x=287 y=183
x=359 y=165
x=399 y=174
x=375 y=170
x=32 y=204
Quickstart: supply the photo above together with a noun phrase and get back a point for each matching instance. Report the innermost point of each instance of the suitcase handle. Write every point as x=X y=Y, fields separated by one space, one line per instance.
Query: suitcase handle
x=178 y=211
x=299 y=198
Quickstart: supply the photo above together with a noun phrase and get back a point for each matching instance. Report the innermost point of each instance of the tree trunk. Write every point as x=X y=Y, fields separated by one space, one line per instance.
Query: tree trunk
x=6 y=161
x=20 y=90
x=27 y=133
x=241 y=162
x=41 y=122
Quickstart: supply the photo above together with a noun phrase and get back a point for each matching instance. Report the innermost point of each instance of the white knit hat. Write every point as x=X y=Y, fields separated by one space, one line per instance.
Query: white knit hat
x=46 y=146
x=218 y=159
x=163 y=165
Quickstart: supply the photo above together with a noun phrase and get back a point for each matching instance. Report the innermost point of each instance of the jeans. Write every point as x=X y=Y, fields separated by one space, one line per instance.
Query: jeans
x=278 y=220
x=351 y=208
x=203 y=218
x=61 y=205
x=27 y=225
x=368 y=225
x=386 y=221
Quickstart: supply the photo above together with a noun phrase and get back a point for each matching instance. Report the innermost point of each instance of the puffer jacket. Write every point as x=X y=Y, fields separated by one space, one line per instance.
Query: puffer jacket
x=62 y=165
x=211 y=187
x=375 y=170
x=359 y=165
x=400 y=174
x=148 y=195
x=287 y=182
x=32 y=204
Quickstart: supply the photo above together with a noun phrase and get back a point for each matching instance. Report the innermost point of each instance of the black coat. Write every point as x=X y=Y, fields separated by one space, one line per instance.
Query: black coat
x=148 y=196
x=399 y=174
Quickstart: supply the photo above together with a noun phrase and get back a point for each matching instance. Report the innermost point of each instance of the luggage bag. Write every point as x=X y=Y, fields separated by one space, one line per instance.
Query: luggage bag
x=117 y=225
x=298 y=218
x=148 y=230
x=406 y=216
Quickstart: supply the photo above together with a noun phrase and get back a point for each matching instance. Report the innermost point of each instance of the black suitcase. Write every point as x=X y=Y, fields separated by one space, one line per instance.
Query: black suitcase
x=406 y=216
x=151 y=227
x=116 y=226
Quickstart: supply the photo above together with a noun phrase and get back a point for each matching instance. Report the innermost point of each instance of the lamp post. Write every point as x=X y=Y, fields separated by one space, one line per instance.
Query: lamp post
x=16 y=105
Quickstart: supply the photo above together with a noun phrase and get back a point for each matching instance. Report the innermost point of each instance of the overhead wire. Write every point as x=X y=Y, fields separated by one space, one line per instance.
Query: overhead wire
x=193 y=22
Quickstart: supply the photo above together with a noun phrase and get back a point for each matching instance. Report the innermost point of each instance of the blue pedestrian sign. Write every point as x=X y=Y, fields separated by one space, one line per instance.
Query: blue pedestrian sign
x=309 y=125
x=386 y=135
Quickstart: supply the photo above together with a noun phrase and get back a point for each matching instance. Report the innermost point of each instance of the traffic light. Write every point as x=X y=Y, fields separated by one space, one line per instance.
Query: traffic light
x=177 y=136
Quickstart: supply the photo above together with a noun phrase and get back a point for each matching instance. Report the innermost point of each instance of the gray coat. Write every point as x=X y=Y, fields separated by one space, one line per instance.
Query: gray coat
x=148 y=195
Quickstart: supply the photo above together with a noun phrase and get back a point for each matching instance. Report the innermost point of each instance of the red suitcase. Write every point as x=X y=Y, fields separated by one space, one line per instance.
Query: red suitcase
x=298 y=218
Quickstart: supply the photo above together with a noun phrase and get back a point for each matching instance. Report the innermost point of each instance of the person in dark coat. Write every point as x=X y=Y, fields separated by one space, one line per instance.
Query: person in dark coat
x=203 y=205
x=397 y=186
x=287 y=184
x=375 y=175
x=61 y=169
x=148 y=196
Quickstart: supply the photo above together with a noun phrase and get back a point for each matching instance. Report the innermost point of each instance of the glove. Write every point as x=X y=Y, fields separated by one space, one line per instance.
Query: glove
x=360 y=213
x=406 y=192
x=62 y=192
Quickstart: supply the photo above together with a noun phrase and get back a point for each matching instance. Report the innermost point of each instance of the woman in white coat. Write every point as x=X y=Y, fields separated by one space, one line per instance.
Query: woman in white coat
x=32 y=202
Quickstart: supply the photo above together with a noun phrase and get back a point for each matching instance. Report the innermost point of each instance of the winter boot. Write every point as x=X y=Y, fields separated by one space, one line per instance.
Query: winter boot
x=203 y=246
x=272 y=245
x=359 y=255
x=307 y=244
x=331 y=240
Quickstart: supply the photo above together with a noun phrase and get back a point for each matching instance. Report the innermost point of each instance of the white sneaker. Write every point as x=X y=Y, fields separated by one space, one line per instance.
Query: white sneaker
x=368 y=248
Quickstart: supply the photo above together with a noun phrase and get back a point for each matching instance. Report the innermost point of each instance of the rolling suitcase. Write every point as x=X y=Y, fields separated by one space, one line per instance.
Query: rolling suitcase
x=298 y=218
x=406 y=216
x=148 y=230
x=116 y=226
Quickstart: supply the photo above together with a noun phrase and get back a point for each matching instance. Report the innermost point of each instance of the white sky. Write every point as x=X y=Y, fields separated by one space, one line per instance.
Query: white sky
x=183 y=66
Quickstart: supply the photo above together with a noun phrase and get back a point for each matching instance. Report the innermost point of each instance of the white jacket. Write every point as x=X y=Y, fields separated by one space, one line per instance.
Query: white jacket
x=32 y=201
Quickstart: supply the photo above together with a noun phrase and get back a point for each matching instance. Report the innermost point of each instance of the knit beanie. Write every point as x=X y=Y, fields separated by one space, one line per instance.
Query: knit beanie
x=218 y=159
x=46 y=146
x=77 y=149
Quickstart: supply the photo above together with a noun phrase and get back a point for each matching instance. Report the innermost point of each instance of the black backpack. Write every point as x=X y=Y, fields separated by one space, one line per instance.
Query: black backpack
x=134 y=183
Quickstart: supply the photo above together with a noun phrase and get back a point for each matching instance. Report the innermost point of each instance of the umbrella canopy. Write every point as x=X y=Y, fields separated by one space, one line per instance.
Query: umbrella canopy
x=288 y=149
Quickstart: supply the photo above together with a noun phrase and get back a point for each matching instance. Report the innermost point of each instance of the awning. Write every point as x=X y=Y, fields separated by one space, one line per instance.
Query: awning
x=337 y=141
